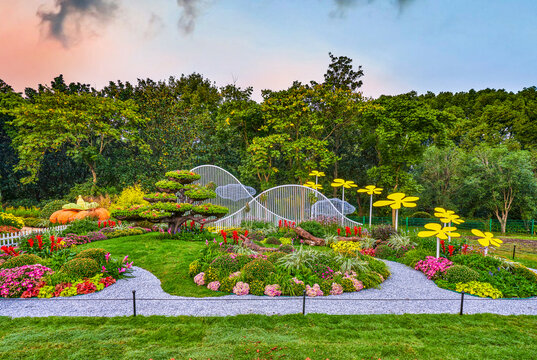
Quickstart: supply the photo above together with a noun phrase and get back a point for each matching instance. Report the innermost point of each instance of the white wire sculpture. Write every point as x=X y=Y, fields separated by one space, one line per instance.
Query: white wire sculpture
x=294 y=203
x=326 y=207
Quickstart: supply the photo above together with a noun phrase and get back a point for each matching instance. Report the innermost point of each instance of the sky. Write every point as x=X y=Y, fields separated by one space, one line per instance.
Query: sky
x=402 y=45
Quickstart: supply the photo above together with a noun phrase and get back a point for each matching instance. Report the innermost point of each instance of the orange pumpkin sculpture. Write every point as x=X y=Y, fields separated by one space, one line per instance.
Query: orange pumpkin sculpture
x=78 y=211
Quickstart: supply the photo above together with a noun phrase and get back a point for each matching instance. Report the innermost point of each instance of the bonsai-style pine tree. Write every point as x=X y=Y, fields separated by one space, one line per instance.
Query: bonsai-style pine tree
x=178 y=201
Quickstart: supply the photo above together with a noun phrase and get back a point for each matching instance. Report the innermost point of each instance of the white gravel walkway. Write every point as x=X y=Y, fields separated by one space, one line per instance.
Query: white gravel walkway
x=397 y=295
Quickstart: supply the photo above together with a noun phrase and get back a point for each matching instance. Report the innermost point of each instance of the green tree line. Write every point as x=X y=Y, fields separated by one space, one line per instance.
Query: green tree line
x=470 y=151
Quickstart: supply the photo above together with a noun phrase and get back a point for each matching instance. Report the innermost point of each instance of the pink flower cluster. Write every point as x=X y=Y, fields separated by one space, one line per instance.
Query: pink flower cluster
x=241 y=288
x=313 y=291
x=213 y=285
x=432 y=267
x=273 y=290
x=298 y=282
x=358 y=285
x=235 y=274
x=198 y=279
x=15 y=281
x=337 y=289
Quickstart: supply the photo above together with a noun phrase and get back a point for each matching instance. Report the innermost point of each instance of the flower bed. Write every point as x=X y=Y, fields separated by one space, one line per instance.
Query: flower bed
x=234 y=269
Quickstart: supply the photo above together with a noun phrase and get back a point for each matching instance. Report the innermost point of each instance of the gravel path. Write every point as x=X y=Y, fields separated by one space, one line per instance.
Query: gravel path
x=396 y=296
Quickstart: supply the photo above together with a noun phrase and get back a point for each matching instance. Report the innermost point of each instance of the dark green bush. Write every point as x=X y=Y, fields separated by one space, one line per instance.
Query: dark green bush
x=272 y=241
x=257 y=269
x=96 y=254
x=21 y=260
x=124 y=232
x=211 y=274
x=382 y=232
x=51 y=207
x=287 y=248
x=58 y=278
x=313 y=227
x=384 y=251
x=460 y=273
x=80 y=268
x=524 y=272
x=81 y=227
x=379 y=267
x=412 y=257
x=273 y=257
x=348 y=285
x=478 y=262
x=257 y=287
x=326 y=286
x=421 y=215
x=225 y=265
x=227 y=284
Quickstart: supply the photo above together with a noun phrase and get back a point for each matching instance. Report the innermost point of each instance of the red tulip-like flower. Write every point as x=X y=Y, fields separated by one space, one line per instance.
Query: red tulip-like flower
x=338 y=232
x=443 y=247
x=99 y=224
x=280 y=223
x=224 y=235
x=246 y=233
x=39 y=241
x=235 y=236
x=451 y=248
x=347 y=231
x=359 y=231
x=31 y=242
x=355 y=230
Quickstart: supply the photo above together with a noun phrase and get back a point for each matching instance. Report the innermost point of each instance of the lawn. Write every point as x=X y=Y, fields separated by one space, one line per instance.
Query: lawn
x=166 y=259
x=313 y=336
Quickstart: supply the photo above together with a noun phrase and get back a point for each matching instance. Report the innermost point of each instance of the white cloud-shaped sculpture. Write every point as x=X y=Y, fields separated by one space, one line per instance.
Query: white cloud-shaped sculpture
x=330 y=207
x=235 y=192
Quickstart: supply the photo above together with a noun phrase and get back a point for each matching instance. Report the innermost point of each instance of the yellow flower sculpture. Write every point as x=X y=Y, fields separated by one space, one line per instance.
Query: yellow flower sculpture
x=371 y=190
x=447 y=216
x=397 y=200
x=313 y=185
x=343 y=183
x=441 y=232
x=486 y=239
x=316 y=173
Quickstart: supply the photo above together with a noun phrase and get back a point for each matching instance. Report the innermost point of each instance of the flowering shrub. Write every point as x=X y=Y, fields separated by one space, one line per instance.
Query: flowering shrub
x=433 y=267
x=257 y=288
x=14 y=282
x=273 y=290
x=349 y=248
x=370 y=252
x=198 y=279
x=337 y=289
x=258 y=269
x=214 y=285
x=313 y=291
x=7 y=219
x=481 y=289
x=241 y=288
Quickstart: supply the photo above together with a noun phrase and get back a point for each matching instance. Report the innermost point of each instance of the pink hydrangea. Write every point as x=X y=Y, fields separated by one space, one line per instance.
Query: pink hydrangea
x=273 y=290
x=213 y=285
x=241 y=288
x=358 y=285
x=235 y=274
x=337 y=289
x=313 y=291
x=198 y=279
x=432 y=267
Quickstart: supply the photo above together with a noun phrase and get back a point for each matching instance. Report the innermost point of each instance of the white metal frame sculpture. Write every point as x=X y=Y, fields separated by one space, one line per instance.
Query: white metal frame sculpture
x=293 y=203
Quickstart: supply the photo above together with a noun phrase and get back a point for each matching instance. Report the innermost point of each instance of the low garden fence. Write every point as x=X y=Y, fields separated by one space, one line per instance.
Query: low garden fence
x=11 y=239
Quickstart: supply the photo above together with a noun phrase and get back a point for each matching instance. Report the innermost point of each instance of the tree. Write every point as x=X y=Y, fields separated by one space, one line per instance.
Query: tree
x=85 y=124
x=178 y=201
x=499 y=179
x=341 y=75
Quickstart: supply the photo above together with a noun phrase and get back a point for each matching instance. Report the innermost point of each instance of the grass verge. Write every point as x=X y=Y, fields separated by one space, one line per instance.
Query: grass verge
x=313 y=336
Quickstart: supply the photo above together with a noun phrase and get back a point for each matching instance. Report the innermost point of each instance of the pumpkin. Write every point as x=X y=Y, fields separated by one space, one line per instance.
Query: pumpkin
x=65 y=216
x=62 y=216
x=102 y=213
x=81 y=215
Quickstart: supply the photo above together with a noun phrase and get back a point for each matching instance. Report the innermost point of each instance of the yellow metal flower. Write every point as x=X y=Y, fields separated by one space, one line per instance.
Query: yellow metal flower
x=371 y=190
x=313 y=185
x=397 y=200
x=447 y=216
x=441 y=232
x=487 y=238
x=316 y=173
x=345 y=184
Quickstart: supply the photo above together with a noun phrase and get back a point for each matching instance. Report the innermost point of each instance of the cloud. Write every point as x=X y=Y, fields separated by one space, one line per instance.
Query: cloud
x=343 y=5
x=65 y=25
x=189 y=14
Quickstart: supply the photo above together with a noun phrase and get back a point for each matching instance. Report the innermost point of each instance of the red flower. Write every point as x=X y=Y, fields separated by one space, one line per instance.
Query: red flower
x=355 y=230
x=443 y=247
x=359 y=231
x=347 y=231
x=39 y=241
x=338 y=231
x=224 y=235
x=285 y=223
x=5 y=249
x=451 y=248
x=52 y=240
x=235 y=236
x=280 y=223
x=246 y=233
x=294 y=224
x=31 y=242
x=99 y=223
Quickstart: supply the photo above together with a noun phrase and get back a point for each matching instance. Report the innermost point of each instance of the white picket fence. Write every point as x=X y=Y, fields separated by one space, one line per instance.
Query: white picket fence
x=11 y=239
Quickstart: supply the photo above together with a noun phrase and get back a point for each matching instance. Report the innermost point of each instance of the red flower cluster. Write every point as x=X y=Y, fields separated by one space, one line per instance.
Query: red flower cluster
x=286 y=224
x=10 y=250
x=370 y=252
x=358 y=230
x=451 y=248
x=224 y=235
x=107 y=223
x=235 y=237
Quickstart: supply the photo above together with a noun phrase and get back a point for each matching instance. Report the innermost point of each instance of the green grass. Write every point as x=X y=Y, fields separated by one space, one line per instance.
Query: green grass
x=166 y=259
x=483 y=336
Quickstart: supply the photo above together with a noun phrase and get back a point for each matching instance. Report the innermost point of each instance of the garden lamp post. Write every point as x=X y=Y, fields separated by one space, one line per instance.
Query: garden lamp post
x=370 y=190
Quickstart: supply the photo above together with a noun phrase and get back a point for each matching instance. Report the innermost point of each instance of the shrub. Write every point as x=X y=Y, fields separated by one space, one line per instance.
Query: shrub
x=384 y=251
x=421 y=215
x=481 y=289
x=125 y=232
x=379 y=267
x=211 y=274
x=524 y=272
x=348 y=285
x=478 y=262
x=227 y=284
x=398 y=242
x=51 y=207
x=257 y=269
x=129 y=196
x=326 y=286
x=287 y=248
x=7 y=219
x=194 y=268
x=349 y=248
x=313 y=227
x=80 y=268
x=81 y=227
x=257 y=287
x=225 y=265
x=96 y=254
x=412 y=257
x=286 y=240
x=382 y=232
x=36 y=223
x=460 y=274
x=433 y=267
x=24 y=259
x=275 y=256
x=273 y=241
